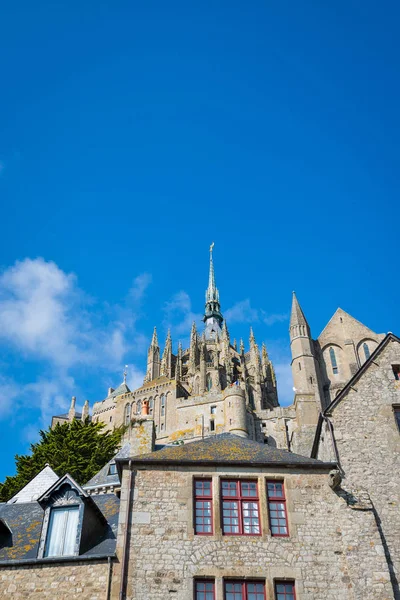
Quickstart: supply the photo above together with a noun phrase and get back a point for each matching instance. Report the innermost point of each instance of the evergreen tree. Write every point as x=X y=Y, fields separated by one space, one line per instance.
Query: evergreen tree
x=80 y=449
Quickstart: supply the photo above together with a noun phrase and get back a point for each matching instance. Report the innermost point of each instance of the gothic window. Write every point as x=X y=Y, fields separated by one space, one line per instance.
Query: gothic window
x=127 y=417
x=151 y=406
x=240 y=508
x=62 y=531
x=209 y=382
x=244 y=590
x=139 y=408
x=277 y=509
x=284 y=590
x=366 y=351
x=203 y=506
x=333 y=361
x=163 y=405
x=204 y=589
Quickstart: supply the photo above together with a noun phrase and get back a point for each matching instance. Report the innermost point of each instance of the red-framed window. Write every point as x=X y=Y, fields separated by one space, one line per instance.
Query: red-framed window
x=204 y=589
x=203 y=520
x=244 y=590
x=277 y=513
x=285 y=590
x=240 y=508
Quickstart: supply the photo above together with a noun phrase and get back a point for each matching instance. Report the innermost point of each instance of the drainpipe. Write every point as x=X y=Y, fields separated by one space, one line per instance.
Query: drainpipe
x=126 y=536
x=109 y=561
x=335 y=448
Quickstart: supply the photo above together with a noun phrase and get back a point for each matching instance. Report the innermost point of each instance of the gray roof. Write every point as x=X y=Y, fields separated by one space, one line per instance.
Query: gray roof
x=102 y=478
x=121 y=389
x=25 y=522
x=78 y=415
x=227 y=448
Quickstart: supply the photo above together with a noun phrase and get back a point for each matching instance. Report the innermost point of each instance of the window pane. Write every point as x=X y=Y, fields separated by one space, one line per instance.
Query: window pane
x=71 y=531
x=229 y=488
x=62 y=531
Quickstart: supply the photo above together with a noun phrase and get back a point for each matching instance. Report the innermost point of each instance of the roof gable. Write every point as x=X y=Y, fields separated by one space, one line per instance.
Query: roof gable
x=390 y=337
x=341 y=320
x=36 y=487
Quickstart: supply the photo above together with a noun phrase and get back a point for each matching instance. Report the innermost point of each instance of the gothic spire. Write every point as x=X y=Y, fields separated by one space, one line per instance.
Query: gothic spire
x=154 y=339
x=298 y=322
x=212 y=316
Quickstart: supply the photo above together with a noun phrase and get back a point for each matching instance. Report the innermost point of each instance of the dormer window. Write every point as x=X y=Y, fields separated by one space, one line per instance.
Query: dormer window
x=112 y=469
x=67 y=507
x=62 y=531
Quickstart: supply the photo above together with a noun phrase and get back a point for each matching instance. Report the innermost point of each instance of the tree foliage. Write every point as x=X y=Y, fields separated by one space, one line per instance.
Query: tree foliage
x=80 y=449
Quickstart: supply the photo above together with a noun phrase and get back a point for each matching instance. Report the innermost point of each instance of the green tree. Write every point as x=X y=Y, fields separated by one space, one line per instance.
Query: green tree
x=80 y=449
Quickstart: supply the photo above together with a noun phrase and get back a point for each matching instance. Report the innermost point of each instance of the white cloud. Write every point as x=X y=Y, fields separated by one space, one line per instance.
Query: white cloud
x=36 y=299
x=243 y=312
x=135 y=377
x=274 y=318
x=45 y=316
x=179 y=315
x=139 y=287
x=8 y=392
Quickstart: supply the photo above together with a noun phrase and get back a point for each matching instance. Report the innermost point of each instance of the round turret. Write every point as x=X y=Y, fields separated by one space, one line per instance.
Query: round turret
x=235 y=411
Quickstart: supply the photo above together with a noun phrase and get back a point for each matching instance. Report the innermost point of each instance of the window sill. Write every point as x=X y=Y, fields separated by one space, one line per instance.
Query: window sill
x=55 y=559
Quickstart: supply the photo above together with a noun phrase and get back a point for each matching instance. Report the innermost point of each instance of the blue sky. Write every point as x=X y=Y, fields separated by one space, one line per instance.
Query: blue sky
x=132 y=135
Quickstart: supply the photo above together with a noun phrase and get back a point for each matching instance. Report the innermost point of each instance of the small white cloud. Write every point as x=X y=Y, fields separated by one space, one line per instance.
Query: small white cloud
x=241 y=312
x=179 y=315
x=139 y=287
x=274 y=318
x=8 y=392
x=135 y=377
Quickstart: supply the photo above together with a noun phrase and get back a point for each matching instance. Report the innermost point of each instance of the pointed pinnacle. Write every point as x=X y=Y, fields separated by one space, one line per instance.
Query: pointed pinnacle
x=241 y=345
x=297 y=316
x=252 y=338
x=154 y=339
x=235 y=344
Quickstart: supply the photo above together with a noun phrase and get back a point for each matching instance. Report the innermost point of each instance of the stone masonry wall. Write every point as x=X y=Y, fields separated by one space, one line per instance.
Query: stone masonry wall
x=368 y=442
x=334 y=552
x=64 y=581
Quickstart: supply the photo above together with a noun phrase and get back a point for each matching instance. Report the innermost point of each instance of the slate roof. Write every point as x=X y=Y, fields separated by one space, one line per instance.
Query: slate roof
x=121 y=389
x=37 y=485
x=25 y=522
x=227 y=448
x=102 y=478
x=78 y=415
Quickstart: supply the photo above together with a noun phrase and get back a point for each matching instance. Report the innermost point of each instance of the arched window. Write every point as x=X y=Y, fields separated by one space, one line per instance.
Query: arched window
x=333 y=361
x=127 y=414
x=151 y=406
x=209 y=382
x=139 y=408
x=366 y=351
x=162 y=403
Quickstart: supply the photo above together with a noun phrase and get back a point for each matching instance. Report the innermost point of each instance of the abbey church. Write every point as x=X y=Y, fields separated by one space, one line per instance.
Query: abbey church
x=220 y=493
